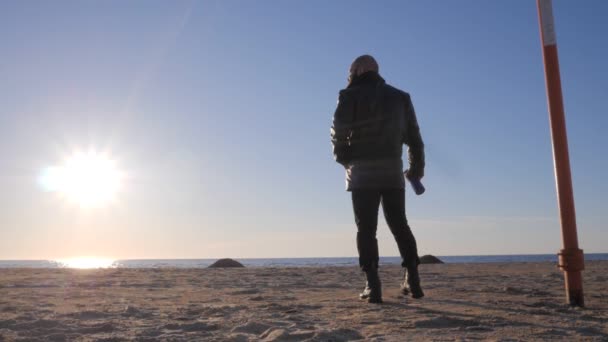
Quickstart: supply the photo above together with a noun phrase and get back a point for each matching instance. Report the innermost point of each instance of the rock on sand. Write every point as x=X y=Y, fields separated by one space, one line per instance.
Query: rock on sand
x=430 y=259
x=226 y=263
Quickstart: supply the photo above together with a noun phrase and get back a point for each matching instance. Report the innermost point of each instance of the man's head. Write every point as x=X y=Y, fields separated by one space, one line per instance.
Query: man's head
x=361 y=65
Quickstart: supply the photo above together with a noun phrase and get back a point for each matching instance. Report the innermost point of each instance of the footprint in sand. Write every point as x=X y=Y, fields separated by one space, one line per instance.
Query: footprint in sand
x=87 y=315
x=254 y=328
x=443 y=322
x=191 y=327
x=245 y=292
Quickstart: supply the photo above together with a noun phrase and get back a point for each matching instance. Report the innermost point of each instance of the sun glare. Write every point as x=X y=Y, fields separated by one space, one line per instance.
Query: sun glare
x=87 y=179
x=86 y=262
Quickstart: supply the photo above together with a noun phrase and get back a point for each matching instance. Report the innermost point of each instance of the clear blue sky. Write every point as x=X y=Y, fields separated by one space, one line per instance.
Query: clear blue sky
x=219 y=113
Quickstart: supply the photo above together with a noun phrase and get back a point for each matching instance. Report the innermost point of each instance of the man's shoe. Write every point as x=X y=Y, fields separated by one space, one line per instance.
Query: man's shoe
x=404 y=289
x=411 y=284
x=366 y=291
x=373 y=287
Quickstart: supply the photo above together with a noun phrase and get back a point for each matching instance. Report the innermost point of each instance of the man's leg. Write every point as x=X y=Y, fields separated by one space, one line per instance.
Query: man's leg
x=393 y=205
x=365 y=207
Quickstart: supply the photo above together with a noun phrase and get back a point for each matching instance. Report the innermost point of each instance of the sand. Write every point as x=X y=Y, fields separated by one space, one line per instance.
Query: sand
x=500 y=302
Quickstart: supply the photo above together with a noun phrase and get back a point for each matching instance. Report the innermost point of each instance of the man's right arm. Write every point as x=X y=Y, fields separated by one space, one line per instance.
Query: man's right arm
x=413 y=139
x=343 y=116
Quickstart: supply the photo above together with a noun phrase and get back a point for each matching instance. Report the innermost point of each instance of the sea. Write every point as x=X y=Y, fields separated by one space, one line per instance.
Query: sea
x=292 y=262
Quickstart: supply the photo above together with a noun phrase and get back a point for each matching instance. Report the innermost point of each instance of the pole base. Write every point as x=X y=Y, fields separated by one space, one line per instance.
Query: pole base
x=574 y=288
x=576 y=298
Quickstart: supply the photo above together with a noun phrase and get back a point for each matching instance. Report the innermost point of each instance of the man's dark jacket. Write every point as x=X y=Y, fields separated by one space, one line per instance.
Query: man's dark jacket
x=371 y=123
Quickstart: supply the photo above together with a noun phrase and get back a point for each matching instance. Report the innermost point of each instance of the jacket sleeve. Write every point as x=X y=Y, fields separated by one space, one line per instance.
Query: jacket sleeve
x=340 y=130
x=413 y=139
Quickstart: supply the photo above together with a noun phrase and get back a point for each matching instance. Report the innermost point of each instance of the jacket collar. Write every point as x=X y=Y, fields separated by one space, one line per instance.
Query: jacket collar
x=366 y=78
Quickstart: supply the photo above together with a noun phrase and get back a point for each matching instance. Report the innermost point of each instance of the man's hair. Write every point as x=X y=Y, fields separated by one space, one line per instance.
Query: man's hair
x=363 y=64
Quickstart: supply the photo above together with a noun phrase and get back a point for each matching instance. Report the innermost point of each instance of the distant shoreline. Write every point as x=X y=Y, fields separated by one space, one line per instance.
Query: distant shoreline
x=297 y=262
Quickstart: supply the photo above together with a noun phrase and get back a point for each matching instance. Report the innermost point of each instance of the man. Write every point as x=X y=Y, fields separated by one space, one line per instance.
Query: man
x=371 y=123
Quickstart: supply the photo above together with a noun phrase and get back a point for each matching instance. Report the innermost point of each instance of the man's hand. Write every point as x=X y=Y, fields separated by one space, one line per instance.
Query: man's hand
x=414 y=174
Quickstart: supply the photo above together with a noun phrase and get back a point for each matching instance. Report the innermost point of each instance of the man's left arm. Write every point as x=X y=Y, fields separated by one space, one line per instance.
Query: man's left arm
x=413 y=139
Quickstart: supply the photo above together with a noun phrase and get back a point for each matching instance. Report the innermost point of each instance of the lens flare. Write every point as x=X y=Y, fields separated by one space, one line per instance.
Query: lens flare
x=86 y=263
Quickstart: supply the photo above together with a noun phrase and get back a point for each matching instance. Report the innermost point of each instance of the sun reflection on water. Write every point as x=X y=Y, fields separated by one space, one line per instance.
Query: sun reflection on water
x=87 y=263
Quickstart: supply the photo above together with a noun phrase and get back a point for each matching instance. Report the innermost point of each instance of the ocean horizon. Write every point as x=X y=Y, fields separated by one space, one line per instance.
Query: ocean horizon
x=291 y=262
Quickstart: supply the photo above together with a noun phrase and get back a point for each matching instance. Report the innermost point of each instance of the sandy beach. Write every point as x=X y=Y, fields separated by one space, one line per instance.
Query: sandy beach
x=496 y=302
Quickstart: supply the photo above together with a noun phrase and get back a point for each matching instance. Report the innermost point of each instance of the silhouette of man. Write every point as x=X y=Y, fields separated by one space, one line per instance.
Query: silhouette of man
x=371 y=123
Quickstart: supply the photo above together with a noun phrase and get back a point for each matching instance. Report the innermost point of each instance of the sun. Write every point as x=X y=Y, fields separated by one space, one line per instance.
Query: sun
x=87 y=179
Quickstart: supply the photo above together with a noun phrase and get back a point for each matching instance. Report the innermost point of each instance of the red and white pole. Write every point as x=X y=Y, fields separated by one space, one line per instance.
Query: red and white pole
x=571 y=259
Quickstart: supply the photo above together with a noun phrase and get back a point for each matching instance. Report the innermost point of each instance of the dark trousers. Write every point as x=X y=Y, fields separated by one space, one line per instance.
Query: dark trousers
x=365 y=205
